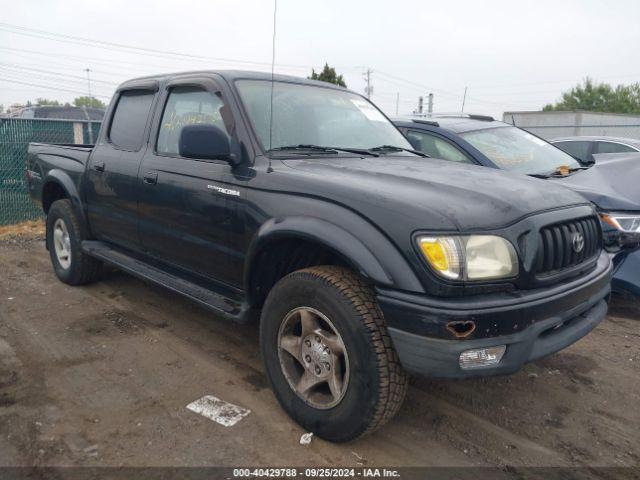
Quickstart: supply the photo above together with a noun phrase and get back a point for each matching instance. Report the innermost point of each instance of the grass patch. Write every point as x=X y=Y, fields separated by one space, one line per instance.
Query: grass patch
x=31 y=228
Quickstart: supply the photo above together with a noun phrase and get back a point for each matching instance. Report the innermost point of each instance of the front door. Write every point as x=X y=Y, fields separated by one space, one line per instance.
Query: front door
x=190 y=215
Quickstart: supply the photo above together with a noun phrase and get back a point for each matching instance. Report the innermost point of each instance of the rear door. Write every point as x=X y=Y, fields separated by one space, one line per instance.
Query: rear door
x=190 y=215
x=112 y=174
x=612 y=147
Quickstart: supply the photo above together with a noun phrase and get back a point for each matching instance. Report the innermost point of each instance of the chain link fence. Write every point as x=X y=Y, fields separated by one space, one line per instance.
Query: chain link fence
x=15 y=135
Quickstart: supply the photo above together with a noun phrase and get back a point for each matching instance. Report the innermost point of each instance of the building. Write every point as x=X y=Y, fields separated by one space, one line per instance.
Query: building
x=554 y=124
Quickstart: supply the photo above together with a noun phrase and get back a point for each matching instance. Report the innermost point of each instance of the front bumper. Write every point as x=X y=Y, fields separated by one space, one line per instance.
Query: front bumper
x=531 y=324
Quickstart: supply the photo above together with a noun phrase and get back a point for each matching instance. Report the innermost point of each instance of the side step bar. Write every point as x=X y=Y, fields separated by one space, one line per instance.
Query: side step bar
x=216 y=302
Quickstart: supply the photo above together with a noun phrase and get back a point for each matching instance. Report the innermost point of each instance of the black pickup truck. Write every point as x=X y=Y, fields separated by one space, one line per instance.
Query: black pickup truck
x=299 y=203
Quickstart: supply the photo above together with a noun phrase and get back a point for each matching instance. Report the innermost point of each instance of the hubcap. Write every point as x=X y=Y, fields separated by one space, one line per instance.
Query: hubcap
x=62 y=243
x=313 y=357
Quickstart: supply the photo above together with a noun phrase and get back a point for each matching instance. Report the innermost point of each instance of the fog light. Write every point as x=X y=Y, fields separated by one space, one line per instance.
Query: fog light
x=481 y=357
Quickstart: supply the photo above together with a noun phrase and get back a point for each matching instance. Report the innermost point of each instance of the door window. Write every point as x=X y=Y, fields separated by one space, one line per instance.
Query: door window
x=187 y=106
x=436 y=147
x=611 y=147
x=577 y=149
x=130 y=119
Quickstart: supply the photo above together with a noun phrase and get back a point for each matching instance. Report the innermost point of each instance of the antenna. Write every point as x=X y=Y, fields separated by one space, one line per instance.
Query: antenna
x=464 y=99
x=273 y=64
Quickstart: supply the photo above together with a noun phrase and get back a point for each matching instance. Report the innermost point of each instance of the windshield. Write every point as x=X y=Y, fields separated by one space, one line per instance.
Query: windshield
x=514 y=149
x=311 y=115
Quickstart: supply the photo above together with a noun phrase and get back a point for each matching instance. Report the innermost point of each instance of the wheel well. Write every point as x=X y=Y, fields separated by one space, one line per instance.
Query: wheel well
x=281 y=257
x=51 y=192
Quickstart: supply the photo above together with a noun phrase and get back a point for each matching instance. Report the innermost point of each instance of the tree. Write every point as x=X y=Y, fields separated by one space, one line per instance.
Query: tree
x=600 y=97
x=87 y=101
x=46 y=101
x=328 y=74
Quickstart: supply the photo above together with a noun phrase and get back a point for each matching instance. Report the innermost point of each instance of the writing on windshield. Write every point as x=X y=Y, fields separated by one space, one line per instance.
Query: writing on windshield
x=311 y=115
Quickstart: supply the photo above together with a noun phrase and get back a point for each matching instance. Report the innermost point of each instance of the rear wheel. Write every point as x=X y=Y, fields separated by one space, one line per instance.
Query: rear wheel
x=328 y=354
x=64 y=238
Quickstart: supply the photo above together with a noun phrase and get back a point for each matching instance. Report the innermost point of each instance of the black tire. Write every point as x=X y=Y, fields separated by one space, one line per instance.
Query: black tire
x=82 y=269
x=377 y=382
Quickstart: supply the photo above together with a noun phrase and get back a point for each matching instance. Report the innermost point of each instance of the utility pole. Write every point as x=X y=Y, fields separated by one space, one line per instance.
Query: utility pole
x=464 y=98
x=397 y=102
x=89 y=126
x=88 y=70
x=430 y=104
x=368 y=90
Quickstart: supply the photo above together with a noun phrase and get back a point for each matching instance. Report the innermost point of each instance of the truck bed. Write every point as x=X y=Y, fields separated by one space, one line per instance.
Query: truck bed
x=43 y=159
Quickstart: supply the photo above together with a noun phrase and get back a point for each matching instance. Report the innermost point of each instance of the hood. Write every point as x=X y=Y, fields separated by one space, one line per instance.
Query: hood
x=429 y=193
x=611 y=183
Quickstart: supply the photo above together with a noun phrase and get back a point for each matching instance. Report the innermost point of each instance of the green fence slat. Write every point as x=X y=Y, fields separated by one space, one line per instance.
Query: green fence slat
x=15 y=135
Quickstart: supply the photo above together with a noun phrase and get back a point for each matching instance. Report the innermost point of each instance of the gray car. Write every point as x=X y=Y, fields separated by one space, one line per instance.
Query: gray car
x=584 y=148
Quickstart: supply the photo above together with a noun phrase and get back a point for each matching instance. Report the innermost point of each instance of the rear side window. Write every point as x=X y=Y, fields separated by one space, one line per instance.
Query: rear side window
x=130 y=119
x=576 y=149
x=611 y=147
x=436 y=147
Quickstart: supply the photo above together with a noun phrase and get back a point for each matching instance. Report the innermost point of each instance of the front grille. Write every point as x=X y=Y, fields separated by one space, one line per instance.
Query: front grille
x=558 y=244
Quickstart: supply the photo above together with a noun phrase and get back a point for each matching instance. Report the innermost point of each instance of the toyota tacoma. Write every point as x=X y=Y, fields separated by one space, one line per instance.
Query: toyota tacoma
x=300 y=204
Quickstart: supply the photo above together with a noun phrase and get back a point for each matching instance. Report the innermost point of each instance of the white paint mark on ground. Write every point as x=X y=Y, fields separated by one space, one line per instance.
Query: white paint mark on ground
x=219 y=411
x=305 y=439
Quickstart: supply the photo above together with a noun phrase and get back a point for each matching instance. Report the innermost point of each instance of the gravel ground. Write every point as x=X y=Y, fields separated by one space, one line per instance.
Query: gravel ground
x=101 y=376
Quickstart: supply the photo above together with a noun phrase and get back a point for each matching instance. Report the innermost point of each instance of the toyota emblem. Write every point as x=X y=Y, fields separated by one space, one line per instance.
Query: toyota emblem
x=578 y=242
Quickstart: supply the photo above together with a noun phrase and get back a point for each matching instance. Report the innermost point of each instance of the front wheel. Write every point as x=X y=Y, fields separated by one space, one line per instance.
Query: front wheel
x=328 y=354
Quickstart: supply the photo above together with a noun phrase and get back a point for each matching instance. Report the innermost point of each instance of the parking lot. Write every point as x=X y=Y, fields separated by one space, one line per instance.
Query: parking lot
x=101 y=375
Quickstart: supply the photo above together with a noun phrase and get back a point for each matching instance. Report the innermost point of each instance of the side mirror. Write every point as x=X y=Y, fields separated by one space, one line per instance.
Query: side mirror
x=204 y=141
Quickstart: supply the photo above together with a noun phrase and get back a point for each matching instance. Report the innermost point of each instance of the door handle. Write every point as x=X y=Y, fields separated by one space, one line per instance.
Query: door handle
x=150 y=178
x=98 y=166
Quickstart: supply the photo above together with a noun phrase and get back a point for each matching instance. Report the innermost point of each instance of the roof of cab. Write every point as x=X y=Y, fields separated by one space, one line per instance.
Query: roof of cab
x=457 y=123
x=230 y=76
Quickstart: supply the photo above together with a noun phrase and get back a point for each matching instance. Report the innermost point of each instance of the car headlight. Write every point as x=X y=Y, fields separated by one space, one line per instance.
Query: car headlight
x=622 y=221
x=470 y=257
x=620 y=230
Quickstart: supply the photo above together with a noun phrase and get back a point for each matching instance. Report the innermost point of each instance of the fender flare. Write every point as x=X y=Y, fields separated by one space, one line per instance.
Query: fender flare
x=64 y=180
x=335 y=238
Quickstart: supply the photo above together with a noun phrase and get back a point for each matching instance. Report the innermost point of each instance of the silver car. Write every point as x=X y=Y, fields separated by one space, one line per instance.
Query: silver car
x=584 y=148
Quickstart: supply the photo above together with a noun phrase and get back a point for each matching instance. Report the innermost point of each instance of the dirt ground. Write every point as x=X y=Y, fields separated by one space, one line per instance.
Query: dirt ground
x=101 y=376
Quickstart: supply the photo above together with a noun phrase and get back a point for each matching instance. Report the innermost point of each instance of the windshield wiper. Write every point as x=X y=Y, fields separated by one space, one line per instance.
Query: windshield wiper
x=538 y=175
x=321 y=149
x=302 y=146
x=393 y=148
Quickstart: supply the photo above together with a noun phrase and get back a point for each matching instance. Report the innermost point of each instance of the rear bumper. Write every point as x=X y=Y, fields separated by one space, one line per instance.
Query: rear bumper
x=626 y=275
x=531 y=327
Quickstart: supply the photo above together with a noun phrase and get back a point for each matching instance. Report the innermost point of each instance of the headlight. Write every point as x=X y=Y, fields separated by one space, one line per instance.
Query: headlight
x=623 y=231
x=621 y=221
x=472 y=257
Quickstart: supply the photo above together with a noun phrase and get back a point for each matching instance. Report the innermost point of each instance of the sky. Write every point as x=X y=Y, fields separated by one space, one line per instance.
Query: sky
x=509 y=55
